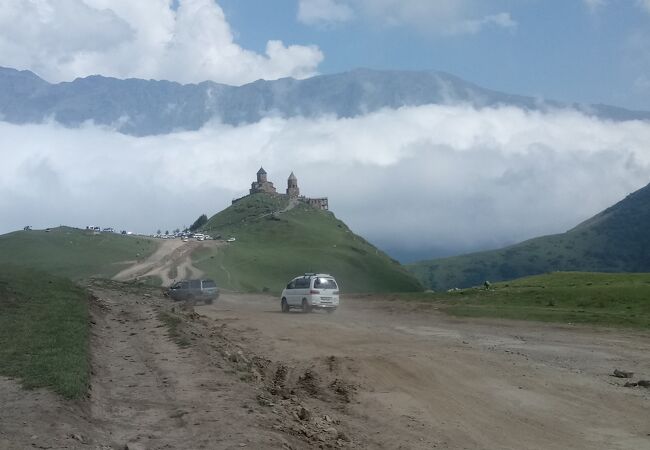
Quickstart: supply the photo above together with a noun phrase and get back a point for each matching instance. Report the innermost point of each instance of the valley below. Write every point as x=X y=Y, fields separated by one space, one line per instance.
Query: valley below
x=376 y=374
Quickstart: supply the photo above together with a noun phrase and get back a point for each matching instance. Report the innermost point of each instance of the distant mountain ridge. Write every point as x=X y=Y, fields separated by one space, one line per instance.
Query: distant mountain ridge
x=615 y=240
x=148 y=107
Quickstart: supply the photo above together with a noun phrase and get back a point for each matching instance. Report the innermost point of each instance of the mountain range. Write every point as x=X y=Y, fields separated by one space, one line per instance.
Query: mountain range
x=615 y=240
x=149 y=107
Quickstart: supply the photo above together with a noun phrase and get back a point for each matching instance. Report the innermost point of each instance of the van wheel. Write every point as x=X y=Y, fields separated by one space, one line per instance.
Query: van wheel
x=285 y=306
x=305 y=307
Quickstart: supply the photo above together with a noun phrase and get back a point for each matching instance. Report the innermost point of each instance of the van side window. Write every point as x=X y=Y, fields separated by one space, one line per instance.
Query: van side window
x=195 y=284
x=291 y=285
x=185 y=285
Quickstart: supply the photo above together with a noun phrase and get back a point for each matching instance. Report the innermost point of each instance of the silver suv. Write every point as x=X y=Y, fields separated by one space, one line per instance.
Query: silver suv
x=311 y=291
x=205 y=290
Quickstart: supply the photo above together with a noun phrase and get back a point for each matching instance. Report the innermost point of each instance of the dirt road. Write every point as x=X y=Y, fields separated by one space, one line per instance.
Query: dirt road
x=172 y=260
x=376 y=374
x=424 y=380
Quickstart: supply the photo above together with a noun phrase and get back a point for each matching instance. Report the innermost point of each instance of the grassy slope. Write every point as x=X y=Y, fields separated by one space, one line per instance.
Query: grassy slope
x=609 y=299
x=73 y=253
x=616 y=240
x=270 y=250
x=43 y=331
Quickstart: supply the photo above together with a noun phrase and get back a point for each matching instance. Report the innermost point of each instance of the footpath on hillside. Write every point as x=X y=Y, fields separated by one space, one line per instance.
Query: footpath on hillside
x=172 y=261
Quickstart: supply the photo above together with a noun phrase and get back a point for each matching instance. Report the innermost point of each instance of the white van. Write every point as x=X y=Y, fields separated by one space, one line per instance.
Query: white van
x=311 y=291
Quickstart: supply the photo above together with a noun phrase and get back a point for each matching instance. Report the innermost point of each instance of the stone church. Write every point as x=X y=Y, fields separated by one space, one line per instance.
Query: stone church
x=263 y=185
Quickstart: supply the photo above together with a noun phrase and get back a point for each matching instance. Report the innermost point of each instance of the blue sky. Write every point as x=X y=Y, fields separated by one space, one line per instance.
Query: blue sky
x=561 y=49
x=587 y=51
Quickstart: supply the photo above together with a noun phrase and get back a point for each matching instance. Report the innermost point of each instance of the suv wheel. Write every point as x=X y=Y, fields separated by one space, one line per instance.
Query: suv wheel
x=305 y=306
x=285 y=306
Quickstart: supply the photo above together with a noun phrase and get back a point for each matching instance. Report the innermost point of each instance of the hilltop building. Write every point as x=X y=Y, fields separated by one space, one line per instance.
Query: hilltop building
x=263 y=185
x=293 y=191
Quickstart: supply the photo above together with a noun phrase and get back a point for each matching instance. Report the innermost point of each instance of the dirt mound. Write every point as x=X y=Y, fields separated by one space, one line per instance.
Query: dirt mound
x=301 y=401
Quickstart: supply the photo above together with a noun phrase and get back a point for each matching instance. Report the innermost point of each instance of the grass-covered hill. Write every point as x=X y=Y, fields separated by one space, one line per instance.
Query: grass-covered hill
x=73 y=253
x=44 y=331
x=615 y=240
x=271 y=248
x=609 y=299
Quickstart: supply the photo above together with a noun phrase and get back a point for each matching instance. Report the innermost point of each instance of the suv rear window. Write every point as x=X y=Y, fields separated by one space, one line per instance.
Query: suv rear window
x=325 y=283
x=209 y=284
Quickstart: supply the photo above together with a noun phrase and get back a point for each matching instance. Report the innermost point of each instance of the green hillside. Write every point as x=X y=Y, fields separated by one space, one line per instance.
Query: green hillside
x=271 y=248
x=44 y=331
x=610 y=299
x=616 y=240
x=73 y=253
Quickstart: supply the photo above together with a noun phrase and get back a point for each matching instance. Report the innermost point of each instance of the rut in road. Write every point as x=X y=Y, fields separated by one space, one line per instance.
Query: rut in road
x=148 y=390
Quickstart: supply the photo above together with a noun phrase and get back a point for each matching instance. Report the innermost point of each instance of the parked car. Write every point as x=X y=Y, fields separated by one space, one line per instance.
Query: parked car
x=311 y=291
x=193 y=290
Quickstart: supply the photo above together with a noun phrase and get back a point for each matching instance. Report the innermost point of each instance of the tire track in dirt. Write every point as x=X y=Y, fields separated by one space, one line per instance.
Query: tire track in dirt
x=149 y=391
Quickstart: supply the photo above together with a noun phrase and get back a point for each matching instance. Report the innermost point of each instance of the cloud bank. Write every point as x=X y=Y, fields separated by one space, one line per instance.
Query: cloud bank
x=313 y=12
x=418 y=182
x=64 y=39
x=444 y=17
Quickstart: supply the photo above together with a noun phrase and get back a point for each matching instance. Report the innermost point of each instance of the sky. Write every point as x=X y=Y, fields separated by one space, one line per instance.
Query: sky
x=418 y=181
x=591 y=51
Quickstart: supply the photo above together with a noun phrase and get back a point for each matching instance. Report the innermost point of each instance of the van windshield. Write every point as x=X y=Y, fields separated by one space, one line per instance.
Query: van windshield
x=325 y=283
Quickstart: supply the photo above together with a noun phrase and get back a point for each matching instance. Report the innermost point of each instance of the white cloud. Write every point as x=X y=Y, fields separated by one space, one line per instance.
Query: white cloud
x=645 y=4
x=595 y=5
x=642 y=83
x=313 y=12
x=64 y=39
x=425 y=179
x=447 y=17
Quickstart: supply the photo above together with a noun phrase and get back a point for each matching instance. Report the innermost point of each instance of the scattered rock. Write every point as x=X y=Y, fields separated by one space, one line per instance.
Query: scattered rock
x=623 y=374
x=630 y=384
x=77 y=437
x=332 y=363
x=644 y=383
x=309 y=382
x=264 y=401
x=343 y=389
x=134 y=446
x=343 y=437
x=304 y=414
x=279 y=379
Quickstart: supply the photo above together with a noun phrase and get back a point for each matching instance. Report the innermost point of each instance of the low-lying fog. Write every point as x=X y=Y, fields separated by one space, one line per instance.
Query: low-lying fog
x=418 y=182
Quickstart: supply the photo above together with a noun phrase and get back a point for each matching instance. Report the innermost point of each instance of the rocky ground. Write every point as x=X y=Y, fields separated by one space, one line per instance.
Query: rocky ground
x=375 y=374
